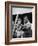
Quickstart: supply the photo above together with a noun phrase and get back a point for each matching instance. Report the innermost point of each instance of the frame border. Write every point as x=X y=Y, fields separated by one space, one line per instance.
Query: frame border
x=7 y=22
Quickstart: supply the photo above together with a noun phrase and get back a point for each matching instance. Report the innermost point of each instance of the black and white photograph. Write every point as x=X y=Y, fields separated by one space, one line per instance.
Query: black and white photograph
x=21 y=22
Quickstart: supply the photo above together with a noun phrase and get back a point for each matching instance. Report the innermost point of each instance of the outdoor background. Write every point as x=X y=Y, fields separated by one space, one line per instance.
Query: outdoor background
x=2 y=23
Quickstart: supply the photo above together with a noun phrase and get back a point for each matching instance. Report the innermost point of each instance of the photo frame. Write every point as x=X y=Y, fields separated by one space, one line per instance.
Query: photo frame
x=20 y=22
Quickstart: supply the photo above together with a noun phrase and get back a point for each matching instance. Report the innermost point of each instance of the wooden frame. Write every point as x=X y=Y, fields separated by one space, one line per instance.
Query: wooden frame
x=7 y=22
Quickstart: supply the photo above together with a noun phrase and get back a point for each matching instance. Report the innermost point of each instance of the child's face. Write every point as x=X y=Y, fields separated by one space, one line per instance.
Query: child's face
x=19 y=21
x=25 y=19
